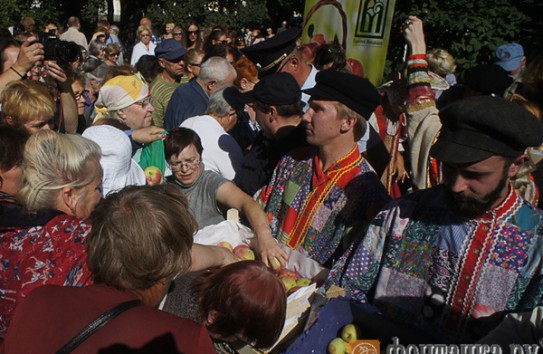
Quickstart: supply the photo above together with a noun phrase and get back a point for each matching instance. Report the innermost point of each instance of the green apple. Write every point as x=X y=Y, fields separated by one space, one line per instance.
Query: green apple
x=288 y=281
x=338 y=346
x=350 y=332
x=303 y=282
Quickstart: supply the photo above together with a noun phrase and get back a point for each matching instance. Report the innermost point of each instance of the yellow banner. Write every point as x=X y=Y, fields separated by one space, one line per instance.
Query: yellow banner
x=362 y=27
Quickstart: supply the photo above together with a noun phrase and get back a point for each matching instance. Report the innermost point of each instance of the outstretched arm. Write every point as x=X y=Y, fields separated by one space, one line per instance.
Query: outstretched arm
x=268 y=248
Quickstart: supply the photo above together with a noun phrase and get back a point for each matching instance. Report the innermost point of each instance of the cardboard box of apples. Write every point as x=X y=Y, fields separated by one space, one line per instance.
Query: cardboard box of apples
x=301 y=275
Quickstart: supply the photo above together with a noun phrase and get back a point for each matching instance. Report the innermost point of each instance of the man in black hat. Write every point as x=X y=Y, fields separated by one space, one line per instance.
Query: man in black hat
x=320 y=192
x=445 y=257
x=278 y=108
x=170 y=58
x=280 y=54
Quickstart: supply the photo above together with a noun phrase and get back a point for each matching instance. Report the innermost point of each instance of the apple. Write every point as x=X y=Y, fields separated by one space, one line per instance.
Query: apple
x=226 y=244
x=288 y=281
x=293 y=289
x=153 y=176
x=356 y=67
x=277 y=266
x=319 y=38
x=288 y=272
x=338 y=346
x=245 y=252
x=350 y=332
x=303 y=282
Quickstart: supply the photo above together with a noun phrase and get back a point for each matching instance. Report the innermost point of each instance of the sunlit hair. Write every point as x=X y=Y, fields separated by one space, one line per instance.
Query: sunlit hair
x=142 y=28
x=359 y=128
x=178 y=139
x=24 y=100
x=218 y=106
x=191 y=58
x=245 y=300
x=112 y=49
x=54 y=161
x=245 y=69
x=140 y=236
x=441 y=62
x=530 y=106
x=216 y=69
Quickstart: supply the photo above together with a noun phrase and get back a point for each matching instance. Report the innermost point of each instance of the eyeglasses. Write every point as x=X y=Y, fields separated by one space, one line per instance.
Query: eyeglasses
x=78 y=95
x=178 y=34
x=145 y=102
x=190 y=164
x=193 y=32
x=114 y=55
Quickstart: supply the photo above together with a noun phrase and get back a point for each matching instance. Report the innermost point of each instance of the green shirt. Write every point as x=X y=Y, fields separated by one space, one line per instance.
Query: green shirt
x=161 y=91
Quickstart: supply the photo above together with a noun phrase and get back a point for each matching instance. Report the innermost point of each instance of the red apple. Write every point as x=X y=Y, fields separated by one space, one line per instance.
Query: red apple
x=153 y=176
x=244 y=252
x=293 y=289
x=356 y=67
x=226 y=244
x=288 y=272
x=319 y=38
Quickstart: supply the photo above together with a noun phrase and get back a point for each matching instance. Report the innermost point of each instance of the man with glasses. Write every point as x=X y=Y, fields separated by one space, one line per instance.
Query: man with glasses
x=170 y=58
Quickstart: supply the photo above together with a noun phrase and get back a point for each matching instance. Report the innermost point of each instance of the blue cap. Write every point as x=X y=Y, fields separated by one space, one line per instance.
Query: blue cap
x=170 y=49
x=509 y=56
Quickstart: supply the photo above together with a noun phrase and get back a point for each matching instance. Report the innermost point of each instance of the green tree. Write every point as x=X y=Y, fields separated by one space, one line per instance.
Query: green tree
x=470 y=31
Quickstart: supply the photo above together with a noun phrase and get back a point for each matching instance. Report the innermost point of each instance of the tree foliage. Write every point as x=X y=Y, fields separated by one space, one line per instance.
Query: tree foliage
x=470 y=31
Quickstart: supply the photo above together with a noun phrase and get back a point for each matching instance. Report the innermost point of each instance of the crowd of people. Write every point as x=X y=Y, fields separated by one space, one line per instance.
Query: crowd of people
x=421 y=196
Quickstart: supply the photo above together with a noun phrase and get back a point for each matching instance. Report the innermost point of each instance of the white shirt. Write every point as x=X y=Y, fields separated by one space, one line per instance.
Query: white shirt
x=222 y=153
x=309 y=83
x=140 y=50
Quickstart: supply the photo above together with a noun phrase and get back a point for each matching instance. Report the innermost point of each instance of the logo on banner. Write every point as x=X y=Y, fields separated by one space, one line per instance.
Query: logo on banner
x=364 y=346
x=372 y=19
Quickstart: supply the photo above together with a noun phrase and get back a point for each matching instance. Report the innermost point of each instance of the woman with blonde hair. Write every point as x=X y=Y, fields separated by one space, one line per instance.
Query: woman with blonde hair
x=28 y=104
x=140 y=241
x=145 y=46
x=60 y=187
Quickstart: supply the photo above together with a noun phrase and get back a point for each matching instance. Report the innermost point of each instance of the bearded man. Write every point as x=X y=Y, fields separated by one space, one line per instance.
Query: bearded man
x=447 y=258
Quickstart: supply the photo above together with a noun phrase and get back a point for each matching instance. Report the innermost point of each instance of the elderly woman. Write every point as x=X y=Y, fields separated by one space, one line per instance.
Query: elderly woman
x=207 y=191
x=127 y=99
x=112 y=53
x=222 y=153
x=144 y=46
x=141 y=240
x=61 y=185
x=119 y=169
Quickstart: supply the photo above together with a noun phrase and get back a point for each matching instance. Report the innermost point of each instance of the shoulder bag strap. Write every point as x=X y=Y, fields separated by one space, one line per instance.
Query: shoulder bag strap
x=96 y=325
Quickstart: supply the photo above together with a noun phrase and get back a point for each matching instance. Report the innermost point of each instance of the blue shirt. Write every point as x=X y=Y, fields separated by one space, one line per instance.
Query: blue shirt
x=187 y=101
